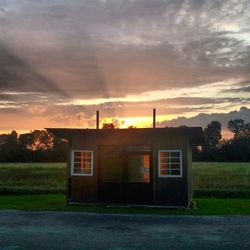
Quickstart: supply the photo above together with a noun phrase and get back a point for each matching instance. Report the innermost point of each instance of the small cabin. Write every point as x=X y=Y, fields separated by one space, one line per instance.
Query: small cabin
x=141 y=166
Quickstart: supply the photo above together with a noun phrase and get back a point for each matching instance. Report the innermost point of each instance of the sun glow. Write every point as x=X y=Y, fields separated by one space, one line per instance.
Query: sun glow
x=138 y=122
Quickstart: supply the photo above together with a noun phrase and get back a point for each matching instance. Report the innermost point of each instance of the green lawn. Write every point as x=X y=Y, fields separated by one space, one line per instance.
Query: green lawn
x=225 y=178
x=209 y=178
x=46 y=183
x=208 y=206
x=22 y=178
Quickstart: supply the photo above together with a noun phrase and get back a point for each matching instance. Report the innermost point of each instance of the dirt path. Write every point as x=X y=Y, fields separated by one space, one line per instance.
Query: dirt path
x=74 y=230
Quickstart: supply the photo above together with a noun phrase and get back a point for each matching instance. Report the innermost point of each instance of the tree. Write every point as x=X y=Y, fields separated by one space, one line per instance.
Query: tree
x=239 y=128
x=58 y=152
x=36 y=146
x=108 y=125
x=212 y=134
x=36 y=140
x=10 y=148
x=131 y=127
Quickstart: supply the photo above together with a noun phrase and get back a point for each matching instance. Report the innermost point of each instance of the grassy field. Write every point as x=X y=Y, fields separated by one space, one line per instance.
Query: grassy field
x=42 y=186
x=29 y=178
x=209 y=179
x=205 y=206
x=221 y=178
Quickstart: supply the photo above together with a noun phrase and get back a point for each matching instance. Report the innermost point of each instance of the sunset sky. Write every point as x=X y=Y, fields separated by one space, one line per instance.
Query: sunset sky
x=62 y=60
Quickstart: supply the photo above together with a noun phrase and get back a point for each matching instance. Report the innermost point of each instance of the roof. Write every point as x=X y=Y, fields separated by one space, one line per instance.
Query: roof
x=195 y=134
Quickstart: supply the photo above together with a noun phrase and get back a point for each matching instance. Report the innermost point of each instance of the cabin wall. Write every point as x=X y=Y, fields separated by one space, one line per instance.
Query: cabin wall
x=68 y=181
x=170 y=191
x=83 y=188
x=190 y=174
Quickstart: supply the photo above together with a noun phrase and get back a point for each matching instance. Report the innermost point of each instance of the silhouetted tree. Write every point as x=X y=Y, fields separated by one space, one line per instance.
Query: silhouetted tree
x=59 y=150
x=131 y=127
x=212 y=134
x=3 y=138
x=36 y=146
x=108 y=125
x=239 y=128
x=10 y=148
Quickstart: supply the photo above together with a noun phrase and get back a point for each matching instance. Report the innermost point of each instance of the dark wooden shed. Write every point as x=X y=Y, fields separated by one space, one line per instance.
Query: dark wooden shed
x=150 y=166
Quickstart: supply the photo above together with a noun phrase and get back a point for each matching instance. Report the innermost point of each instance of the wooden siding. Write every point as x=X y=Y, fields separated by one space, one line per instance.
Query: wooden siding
x=170 y=191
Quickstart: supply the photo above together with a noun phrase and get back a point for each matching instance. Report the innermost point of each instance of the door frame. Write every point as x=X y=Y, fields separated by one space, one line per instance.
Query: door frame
x=128 y=189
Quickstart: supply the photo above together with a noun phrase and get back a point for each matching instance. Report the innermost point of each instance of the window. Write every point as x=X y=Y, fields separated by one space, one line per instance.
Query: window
x=170 y=163
x=82 y=163
x=138 y=168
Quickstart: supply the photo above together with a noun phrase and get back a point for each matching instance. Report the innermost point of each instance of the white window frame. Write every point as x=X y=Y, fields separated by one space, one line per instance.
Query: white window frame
x=73 y=161
x=159 y=162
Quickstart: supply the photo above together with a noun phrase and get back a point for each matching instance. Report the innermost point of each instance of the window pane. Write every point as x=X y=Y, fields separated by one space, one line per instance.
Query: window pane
x=175 y=160
x=89 y=160
x=77 y=165
x=164 y=160
x=170 y=163
x=175 y=172
x=86 y=154
x=77 y=154
x=165 y=166
x=78 y=159
x=146 y=168
x=175 y=154
x=86 y=165
x=164 y=154
x=165 y=172
x=77 y=171
x=86 y=171
x=138 y=168
x=82 y=162
x=175 y=166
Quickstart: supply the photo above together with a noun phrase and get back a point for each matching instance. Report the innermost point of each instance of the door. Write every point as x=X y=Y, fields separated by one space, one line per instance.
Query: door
x=137 y=184
x=125 y=174
x=110 y=167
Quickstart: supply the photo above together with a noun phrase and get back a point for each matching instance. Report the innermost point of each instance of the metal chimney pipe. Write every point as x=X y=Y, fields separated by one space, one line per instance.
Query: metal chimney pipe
x=97 y=119
x=154 y=118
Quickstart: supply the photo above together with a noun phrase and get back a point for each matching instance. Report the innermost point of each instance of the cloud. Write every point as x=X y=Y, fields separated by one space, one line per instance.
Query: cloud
x=237 y=90
x=170 y=106
x=204 y=119
x=93 y=49
x=59 y=52
x=18 y=75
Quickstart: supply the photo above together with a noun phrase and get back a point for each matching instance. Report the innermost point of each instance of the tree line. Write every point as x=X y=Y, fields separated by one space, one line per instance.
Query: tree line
x=215 y=148
x=36 y=146
x=42 y=146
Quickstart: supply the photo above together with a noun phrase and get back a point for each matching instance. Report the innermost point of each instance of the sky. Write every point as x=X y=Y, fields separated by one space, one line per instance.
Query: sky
x=61 y=60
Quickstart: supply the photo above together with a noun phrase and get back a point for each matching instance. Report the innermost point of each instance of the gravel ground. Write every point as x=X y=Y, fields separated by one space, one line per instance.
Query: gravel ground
x=76 y=230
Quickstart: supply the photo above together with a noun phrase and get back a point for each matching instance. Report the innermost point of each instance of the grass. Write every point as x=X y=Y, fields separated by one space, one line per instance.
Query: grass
x=32 y=178
x=221 y=179
x=48 y=180
x=209 y=179
x=221 y=175
x=56 y=202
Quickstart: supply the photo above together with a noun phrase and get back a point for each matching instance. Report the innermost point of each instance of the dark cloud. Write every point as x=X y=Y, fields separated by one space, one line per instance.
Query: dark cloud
x=178 y=105
x=93 y=49
x=18 y=75
x=203 y=119
x=57 y=51
x=223 y=56
x=238 y=90
x=169 y=106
